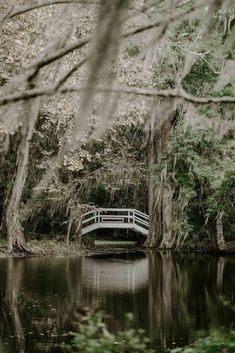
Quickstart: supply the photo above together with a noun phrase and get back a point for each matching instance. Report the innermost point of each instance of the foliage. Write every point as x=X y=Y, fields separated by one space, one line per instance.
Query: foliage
x=201 y=169
x=201 y=78
x=101 y=179
x=93 y=337
x=132 y=50
x=217 y=342
x=165 y=72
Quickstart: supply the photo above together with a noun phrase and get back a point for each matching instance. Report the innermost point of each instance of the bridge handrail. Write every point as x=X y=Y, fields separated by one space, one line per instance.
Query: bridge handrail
x=115 y=218
x=132 y=215
x=89 y=219
x=88 y=212
x=141 y=214
x=116 y=210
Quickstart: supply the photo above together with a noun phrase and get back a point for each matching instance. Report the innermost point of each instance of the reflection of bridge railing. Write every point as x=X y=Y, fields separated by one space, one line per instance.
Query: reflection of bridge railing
x=124 y=218
x=117 y=275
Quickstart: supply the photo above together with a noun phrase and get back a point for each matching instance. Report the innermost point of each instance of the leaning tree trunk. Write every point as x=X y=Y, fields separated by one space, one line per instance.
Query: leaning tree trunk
x=219 y=239
x=15 y=236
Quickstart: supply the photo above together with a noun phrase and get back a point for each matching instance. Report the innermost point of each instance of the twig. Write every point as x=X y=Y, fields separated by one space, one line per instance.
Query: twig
x=171 y=18
x=66 y=76
x=58 y=53
x=201 y=55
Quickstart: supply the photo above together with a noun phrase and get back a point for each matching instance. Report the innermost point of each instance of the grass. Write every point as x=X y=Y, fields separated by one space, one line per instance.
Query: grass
x=46 y=247
x=114 y=243
x=52 y=247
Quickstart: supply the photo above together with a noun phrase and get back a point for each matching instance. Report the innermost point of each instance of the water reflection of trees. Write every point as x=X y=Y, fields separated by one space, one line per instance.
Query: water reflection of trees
x=185 y=295
x=170 y=296
x=38 y=298
x=13 y=324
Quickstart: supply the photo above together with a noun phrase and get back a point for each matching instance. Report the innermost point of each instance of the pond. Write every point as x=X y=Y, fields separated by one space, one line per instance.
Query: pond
x=171 y=296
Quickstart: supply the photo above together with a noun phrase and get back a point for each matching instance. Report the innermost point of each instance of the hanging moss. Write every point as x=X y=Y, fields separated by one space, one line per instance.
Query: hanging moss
x=203 y=179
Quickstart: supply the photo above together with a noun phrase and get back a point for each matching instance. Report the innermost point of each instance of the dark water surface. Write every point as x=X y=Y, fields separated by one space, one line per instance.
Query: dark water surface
x=171 y=296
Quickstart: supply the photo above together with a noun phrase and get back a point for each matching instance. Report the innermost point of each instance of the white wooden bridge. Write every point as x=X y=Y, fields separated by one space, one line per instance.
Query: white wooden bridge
x=115 y=218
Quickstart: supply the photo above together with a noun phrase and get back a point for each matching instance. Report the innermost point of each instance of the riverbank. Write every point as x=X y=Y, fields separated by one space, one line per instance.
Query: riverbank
x=45 y=248
x=57 y=248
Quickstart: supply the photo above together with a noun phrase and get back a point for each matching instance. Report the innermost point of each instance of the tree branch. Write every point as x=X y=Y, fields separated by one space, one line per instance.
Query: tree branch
x=43 y=3
x=48 y=59
x=66 y=76
x=168 y=19
x=148 y=92
x=38 y=64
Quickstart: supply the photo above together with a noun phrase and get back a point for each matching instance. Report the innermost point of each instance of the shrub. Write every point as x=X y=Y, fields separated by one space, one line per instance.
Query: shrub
x=217 y=342
x=93 y=337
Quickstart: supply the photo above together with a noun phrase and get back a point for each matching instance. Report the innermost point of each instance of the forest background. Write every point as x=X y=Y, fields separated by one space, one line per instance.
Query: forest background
x=122 y=104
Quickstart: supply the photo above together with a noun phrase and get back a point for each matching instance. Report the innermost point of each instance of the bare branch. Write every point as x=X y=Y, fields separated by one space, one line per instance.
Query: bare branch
x=39 y=4
x=83 y=41
x=66 y=76
x=168 y=19
x=48 y=59
x=148 y=92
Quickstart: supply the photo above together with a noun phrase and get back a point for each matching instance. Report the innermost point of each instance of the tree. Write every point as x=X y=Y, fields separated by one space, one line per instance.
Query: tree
x=198 y=73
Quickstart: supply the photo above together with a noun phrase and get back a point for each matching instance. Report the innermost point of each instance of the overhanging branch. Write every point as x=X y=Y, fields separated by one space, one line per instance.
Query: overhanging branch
x=44 y=3
x=147 y=92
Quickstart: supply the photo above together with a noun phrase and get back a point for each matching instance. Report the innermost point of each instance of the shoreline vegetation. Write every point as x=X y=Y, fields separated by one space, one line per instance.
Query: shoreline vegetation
x=93 y=336
x=55 y=248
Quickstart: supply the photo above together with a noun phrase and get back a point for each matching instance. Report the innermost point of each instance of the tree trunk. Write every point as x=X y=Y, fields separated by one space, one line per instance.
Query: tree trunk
x=168 y=238
x=155 y=220
x=220 y=241
x=159 y=202
x=15 y=237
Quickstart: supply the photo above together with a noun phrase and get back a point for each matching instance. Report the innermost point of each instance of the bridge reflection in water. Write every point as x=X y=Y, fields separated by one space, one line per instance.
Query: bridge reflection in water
x=115 y=275
x=171 y=296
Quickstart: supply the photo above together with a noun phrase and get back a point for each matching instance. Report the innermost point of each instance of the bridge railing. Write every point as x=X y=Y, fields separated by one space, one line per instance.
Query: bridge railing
x=115 y=215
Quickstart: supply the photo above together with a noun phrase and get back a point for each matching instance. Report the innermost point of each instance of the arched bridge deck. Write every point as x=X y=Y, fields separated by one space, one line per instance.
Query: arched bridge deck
x=116 y=218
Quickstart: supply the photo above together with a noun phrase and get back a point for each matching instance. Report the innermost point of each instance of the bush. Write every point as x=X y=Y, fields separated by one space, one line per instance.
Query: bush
x=93 y=337
x=217 y=342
